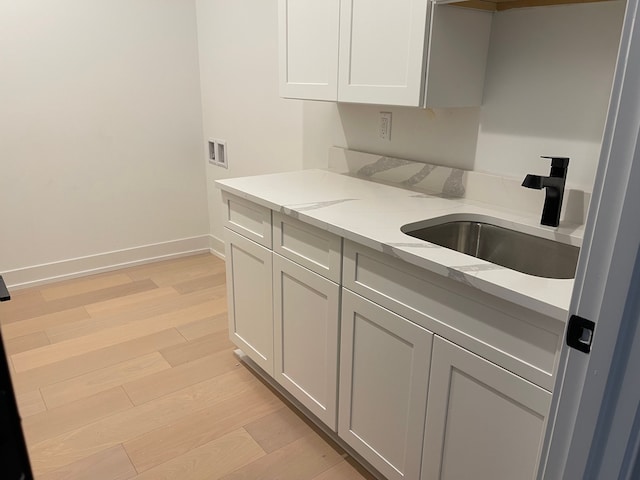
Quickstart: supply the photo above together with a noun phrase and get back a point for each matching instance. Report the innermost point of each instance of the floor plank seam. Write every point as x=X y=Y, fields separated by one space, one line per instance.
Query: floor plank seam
x=128 y=396
x=44 y=402
x=48 y=336
x=130 y=459
x=181 y=334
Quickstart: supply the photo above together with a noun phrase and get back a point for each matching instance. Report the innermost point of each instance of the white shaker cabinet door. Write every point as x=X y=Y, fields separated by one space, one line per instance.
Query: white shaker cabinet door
x=250 y=303
x=483 y=422
x=384 y=373
x=306 y=315
x=382 y=51
x=308 y=42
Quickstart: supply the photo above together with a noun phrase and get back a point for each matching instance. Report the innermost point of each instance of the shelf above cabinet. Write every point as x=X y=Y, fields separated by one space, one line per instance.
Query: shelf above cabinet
x=500 y=5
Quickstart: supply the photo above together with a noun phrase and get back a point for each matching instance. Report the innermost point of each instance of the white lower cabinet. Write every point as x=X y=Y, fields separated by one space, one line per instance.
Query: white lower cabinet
x=384 y=374
x=483 y=422
x=249 y=294
x=411 y=403
x=306 y=318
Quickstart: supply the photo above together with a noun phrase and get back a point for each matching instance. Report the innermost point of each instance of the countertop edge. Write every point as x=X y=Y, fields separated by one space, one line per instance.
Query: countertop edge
x=492 y=288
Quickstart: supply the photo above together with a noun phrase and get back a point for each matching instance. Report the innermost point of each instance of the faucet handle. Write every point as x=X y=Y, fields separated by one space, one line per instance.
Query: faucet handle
x=558 y=162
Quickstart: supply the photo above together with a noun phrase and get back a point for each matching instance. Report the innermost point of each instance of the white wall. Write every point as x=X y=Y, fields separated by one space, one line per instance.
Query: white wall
x=547 y=88
x=239 y=76
x=440 y=136
x=100 y=129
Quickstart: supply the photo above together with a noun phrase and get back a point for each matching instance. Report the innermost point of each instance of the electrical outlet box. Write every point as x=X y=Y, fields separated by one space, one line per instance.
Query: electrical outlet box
x=218 y=153
x=384 y=126
x=212 y=152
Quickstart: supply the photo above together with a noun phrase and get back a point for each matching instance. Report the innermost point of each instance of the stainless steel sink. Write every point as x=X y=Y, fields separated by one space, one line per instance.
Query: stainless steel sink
x=512 y=249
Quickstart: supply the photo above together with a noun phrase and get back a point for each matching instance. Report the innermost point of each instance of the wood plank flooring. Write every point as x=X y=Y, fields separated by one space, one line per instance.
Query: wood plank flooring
x=130 y=375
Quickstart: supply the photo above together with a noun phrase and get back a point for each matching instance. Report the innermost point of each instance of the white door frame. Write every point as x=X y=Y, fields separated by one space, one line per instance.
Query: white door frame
x=594 y=418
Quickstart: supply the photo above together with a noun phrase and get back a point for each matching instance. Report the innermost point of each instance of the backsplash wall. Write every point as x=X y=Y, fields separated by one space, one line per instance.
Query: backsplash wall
x=547 y=89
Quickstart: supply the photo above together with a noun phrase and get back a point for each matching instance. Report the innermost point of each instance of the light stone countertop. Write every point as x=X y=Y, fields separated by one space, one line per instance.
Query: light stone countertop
x=372 y=214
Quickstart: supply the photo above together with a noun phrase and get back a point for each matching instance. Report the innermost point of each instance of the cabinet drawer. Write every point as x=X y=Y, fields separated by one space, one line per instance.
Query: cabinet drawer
x=318 y=250
x=519 y=340
x=247 y=218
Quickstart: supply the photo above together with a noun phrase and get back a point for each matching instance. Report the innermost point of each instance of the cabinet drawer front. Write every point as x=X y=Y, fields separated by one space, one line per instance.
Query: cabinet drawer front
x=247 y=218
x=481 y=413
x=515 y=338
x=318 y=250
x=306 y=318
x=384 y=375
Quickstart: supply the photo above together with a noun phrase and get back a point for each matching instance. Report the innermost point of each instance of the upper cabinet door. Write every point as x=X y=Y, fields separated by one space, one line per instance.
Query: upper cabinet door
x=382 y=51
x=308 y=45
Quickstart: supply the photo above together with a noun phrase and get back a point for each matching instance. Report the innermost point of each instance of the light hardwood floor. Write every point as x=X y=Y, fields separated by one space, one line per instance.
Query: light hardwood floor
x=130 y=375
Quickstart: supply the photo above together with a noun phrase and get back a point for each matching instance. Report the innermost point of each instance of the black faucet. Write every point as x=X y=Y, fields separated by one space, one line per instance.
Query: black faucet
x=554 y=185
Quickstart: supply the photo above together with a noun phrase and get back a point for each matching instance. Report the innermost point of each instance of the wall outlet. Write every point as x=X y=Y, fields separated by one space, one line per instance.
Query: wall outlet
x=384 y=126
x=218 y=153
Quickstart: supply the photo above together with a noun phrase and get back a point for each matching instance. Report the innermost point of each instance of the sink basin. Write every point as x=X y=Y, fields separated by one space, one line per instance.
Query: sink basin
x=512 y=249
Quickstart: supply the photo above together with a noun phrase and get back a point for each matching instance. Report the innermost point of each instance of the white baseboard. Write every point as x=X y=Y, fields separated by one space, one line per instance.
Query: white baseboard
x=103 y=262
x=216 y=247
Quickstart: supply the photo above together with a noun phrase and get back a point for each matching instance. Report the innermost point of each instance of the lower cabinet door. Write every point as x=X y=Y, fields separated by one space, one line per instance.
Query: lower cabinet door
x=384 y=376
x=249 y=294
x=306 y=318
x=483 y=422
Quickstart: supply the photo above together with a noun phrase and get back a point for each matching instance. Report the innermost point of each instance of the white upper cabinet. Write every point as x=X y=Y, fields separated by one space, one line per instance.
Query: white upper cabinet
x=405 y=52
x=308 y=43
x=382 y=51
